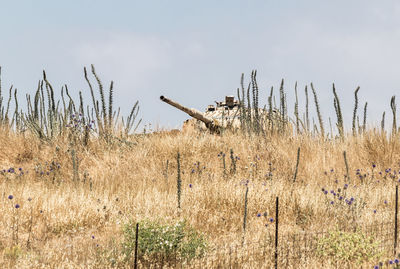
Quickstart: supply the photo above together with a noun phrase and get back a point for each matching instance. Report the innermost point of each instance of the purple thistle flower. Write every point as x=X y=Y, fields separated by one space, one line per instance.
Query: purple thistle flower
x=10 y=197
x=271 y=220
x=332 y=202
x=258 y=215
x=190 y=185
x=373 y=165
x=374 y=211
x=390 y=262
x=17 y=206
x=396 y=261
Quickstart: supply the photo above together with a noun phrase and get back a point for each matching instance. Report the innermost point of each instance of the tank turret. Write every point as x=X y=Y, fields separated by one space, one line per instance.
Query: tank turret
x=194 y=113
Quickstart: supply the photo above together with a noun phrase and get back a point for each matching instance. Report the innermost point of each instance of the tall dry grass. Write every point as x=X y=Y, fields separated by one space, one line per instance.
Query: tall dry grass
x=65 y=223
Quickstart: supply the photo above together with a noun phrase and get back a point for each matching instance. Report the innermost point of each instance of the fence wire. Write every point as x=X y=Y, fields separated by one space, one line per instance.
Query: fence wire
x=295 y=250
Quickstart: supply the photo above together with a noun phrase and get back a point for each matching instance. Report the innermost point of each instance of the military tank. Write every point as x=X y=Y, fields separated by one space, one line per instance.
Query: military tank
x=223 y=115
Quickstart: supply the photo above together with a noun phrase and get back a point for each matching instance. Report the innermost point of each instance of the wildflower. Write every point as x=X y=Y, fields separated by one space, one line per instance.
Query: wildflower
x=341 y=198
x=396 y=261
x=10 y=197
x=17 y=206
x=374 y=211
x=376 y=267
x=258 y=215
x=190 y=185
x=373 y=165
x=332 y=202
x=352 y=199
x=345 y=186
x=325 y=192
x=271 y=220
x=92 y=236
x=390 y=262
x=385 y=202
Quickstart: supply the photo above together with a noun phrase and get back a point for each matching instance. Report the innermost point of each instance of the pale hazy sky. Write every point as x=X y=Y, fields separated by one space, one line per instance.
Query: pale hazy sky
x=195 y=51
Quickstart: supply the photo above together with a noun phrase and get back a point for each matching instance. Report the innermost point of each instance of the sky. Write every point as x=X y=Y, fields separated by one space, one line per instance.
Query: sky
x=194 y=52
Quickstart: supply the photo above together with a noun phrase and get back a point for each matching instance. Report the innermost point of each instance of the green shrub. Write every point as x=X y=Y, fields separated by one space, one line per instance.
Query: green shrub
x=348 y=246
x=169 y=242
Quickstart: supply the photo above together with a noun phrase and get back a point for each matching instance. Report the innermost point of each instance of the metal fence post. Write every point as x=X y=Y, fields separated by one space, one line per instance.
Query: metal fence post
x=395 y=219
x=136 y=246
x=276 y=231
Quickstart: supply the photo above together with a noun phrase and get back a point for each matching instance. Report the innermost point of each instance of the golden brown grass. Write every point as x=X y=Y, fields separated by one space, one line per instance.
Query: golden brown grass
x=54 y=228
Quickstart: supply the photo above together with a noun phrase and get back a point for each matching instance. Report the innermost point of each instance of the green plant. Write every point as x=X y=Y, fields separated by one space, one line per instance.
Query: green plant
x=321 y=123
x=245 y=210
x=297 y=165
x=346 y=163
x=364 y=126
x=348 y=246
x=178 y=180
x=393 y=106
x=307 y=119
x=296 y=110
x=48 y=118
x=168 y=241
x=355 y=110
x=338 y=111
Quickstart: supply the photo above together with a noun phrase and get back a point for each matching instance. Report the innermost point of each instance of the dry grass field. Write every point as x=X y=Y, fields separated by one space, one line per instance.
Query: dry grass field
x=52 y=218
x=76 y=180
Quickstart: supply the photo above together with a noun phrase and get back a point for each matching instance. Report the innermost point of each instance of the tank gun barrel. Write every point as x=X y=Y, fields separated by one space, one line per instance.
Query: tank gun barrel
x=191 y=112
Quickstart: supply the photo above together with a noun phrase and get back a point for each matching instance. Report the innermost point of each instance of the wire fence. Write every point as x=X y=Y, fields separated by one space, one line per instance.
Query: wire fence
x=295 y=250
x=378 y=249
